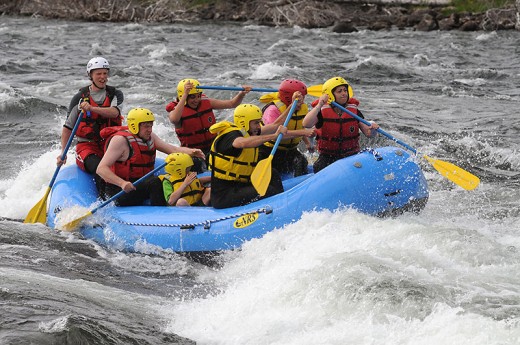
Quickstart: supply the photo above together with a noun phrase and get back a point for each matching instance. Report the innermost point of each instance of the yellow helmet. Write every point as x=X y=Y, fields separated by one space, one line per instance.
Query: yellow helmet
x=177 y=164
x=137 y=116
x=333 y=83
x=180 y=87
x=245 y=113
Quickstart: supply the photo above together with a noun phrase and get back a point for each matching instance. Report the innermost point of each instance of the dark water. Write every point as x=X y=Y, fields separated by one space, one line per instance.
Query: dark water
x=449 y=275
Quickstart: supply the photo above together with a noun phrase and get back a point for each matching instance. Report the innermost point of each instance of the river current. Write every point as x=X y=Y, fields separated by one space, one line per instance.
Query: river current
x=449 y=275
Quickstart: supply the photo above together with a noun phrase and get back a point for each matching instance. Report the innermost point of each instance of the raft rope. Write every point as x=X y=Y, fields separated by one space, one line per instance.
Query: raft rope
x=376 y=154
x=206 y=224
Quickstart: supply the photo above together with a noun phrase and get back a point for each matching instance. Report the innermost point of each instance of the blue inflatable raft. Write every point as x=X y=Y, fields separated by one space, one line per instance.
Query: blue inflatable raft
x=385 y=181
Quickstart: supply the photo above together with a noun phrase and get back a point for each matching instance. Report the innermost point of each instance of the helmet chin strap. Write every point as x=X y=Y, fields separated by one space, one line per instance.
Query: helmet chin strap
x=93 y=83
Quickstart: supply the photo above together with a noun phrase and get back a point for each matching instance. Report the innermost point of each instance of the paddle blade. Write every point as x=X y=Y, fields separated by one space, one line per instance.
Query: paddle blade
x=269 y=97
x=71 y=226
x=38 y=214
x=315 y=90
x=455 y=174
x=261 y=176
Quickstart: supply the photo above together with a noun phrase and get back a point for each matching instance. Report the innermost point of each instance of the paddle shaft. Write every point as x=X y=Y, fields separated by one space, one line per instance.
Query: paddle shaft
x=121 y=192
x=233 y=88
x=66 y=149
x=285 y=123
x=359 y=118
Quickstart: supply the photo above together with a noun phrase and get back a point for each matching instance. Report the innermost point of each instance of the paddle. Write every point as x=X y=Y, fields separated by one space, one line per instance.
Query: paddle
x=314 y=90
x=233 y=88
x=452 y=172
x=261 y=176
x=36 y=214
x=73 y=225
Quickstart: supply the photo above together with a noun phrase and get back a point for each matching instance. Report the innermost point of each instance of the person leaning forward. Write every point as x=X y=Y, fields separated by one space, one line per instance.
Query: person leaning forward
x=234 y=155
x=99 y=106
x=130 y=154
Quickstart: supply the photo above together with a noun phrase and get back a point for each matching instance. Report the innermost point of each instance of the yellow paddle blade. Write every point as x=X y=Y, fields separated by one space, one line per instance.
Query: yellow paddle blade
x=261 y=176
x=38 y=214
x=454 y=173
x=314 y=90
x=269 y=97
x=71 y=226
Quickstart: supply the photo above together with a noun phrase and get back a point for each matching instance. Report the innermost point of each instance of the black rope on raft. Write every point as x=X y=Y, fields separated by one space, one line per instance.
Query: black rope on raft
x=206 y=224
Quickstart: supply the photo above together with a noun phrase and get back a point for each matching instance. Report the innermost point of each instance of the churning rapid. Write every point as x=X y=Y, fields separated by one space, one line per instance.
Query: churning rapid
x=450 y=274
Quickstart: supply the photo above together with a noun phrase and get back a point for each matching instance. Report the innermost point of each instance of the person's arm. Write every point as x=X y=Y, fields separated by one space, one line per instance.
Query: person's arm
x=117 y=150
x=176 y=195
x=167 y=148
x=257 y=140
x=176 y=114
x=297 y=96
x=230 y=103
x=369 y=131
x=312 y=116
x=108 y=112
x=205 y=179
x=65 y=136
x=305 y=133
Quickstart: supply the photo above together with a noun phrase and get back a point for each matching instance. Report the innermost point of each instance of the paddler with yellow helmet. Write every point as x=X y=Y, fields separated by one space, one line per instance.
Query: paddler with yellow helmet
x=337 y=132
x=192 y=115
x=234 y=155
x=181 y=186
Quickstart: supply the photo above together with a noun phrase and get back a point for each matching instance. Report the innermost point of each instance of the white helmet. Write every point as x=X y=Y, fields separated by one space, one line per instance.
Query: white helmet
x=97 y=63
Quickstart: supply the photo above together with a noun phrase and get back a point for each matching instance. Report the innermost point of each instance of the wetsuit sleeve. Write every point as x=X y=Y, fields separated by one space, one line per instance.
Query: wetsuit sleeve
x=72 y=112
x=117 y=102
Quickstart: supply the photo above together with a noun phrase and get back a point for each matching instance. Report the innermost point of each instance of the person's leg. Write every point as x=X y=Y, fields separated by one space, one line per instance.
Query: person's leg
x=236 y=195
x=134 y=198
x=155 y=190
x=299 y=162
x=91 y=163
x=275 y=185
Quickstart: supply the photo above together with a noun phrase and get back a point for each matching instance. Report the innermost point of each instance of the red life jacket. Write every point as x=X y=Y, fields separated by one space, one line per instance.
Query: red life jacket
x=339 y=135
x=142 y=154
x=92 y=124
x=195 y=124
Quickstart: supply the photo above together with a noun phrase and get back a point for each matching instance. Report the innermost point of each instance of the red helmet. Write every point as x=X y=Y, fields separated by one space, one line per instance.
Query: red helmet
x=288 y=87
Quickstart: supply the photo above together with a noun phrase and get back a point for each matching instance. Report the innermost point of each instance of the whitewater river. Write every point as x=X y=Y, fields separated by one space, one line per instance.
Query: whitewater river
x=450 y=275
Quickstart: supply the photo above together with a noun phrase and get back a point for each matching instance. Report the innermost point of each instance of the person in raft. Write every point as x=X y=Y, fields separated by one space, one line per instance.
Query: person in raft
x=130 y=154
x=181 y=186
x=234 y=155
x=99 y=106
x=192 y=115
x=337 y=132
x=287 y=158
